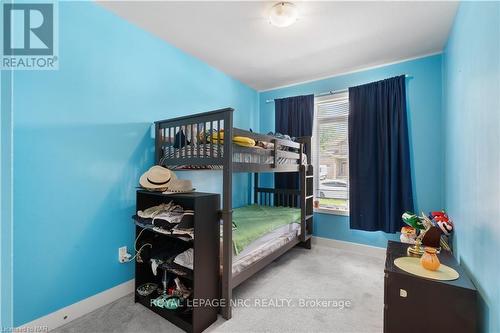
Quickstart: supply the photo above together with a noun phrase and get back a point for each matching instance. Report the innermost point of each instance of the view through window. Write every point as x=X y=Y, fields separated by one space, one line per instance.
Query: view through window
x=331 y=153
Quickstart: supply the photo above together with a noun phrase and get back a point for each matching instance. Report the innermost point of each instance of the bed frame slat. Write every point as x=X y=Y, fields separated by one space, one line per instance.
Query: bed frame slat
x=211 y=152
x=199 y=136
x=192 y=140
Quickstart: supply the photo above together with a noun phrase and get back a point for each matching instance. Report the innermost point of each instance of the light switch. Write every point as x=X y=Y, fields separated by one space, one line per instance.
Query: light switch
x=403 y=293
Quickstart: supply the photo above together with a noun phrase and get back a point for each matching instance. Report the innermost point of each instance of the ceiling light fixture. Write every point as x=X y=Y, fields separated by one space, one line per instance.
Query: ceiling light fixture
x=283 y=14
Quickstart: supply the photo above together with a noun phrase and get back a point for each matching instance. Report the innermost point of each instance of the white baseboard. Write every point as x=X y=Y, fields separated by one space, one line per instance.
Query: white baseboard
x=369 y=250
x=81 y=308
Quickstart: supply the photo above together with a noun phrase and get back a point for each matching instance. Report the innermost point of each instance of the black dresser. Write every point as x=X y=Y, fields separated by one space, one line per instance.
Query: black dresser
x=415 y=304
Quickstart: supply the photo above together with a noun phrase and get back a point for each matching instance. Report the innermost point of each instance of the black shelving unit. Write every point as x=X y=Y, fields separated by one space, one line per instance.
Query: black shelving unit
x=204 y=277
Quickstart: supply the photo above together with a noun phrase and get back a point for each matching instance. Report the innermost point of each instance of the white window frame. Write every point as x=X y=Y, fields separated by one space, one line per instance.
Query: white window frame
x=315 y=142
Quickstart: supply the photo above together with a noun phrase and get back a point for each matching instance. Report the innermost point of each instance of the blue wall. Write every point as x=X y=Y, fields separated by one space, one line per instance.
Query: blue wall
x=6 y=202
x=425 y=126
x=472 y=146
x=81 y=140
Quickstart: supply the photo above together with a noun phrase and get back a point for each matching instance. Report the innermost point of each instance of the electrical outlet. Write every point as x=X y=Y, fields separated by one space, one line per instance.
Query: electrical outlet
x=123 y=254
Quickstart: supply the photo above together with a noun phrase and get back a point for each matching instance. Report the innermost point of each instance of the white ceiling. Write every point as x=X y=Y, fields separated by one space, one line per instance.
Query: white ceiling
x=330 y=37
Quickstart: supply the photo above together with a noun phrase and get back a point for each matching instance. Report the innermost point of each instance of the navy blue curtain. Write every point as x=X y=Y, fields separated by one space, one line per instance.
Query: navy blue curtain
x=294 y=116
x=379 y=160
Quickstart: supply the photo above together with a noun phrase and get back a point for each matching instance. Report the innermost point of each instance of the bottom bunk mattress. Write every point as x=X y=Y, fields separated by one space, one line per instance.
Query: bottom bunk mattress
x=260 y=230
x=252 y=222
x=257 y=232
x=264 y=246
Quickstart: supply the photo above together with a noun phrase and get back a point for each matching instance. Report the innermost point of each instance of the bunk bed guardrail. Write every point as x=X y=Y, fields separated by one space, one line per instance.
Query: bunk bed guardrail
x=175 y=139
x=196 y=141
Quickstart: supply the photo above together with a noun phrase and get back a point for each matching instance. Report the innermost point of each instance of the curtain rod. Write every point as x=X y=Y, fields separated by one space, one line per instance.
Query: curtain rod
x=333 y=92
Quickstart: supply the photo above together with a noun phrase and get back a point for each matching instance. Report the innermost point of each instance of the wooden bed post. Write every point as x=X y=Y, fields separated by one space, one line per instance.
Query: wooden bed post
x=227 y=216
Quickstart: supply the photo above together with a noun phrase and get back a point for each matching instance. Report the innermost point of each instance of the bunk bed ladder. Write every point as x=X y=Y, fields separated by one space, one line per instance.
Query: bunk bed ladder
x=306 y=200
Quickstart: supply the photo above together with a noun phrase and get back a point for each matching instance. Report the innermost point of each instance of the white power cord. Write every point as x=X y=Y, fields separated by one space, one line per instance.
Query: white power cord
x=128 y=257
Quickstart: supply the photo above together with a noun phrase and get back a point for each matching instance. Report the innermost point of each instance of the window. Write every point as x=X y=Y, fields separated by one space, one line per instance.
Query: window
x=331 y=153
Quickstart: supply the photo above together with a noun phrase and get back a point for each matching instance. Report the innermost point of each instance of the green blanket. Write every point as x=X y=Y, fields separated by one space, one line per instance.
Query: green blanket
x=253 y=222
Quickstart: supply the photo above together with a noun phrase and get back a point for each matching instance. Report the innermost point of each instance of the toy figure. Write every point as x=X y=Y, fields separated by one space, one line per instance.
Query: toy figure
x=433 y=231
x=413 y=220
x=441 y=220
x=408 y=235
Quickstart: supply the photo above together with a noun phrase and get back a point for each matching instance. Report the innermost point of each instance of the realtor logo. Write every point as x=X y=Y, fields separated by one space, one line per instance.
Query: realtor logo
x=37 y=24
x=29 y=36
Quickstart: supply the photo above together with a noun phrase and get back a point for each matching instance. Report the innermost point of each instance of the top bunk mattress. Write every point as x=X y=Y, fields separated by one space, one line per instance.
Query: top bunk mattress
x=252 y=155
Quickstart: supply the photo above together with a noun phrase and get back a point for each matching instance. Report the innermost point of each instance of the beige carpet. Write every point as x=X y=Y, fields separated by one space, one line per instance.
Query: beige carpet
x=301 y=275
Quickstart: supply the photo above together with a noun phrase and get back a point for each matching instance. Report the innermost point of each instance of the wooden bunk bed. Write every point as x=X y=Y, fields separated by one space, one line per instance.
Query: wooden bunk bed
x=181 y=144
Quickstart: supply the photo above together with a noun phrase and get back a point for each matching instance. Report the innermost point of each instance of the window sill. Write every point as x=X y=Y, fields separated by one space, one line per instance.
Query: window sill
x=331 y=211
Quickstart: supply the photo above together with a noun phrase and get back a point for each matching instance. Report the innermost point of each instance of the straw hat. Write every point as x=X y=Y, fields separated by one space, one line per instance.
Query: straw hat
x=179 y=186
x=156 y=178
